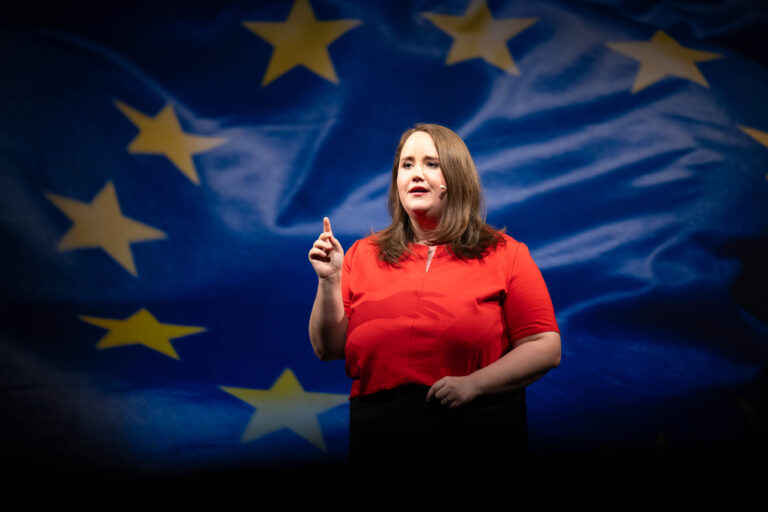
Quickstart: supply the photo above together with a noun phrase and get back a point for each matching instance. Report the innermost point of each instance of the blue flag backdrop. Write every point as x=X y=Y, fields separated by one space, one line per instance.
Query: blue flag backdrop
x=164 y=170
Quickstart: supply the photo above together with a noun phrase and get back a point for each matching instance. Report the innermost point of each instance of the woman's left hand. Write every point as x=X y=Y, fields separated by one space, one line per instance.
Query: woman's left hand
x=453 y=392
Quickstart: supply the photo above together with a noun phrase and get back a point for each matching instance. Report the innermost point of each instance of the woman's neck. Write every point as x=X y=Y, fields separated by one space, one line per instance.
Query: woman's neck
x=423 y=230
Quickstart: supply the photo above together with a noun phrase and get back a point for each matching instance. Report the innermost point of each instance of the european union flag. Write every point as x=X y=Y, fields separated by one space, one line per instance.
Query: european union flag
x=165 y=170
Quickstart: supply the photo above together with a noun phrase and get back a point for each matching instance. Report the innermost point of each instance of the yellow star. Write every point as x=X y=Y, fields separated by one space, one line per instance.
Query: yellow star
x=479 y=34
x=162 y=135
x=286 y=405
x=300 y=40
x=759 y=136
x=662 y=56
x=141 y=328
x=101 y=224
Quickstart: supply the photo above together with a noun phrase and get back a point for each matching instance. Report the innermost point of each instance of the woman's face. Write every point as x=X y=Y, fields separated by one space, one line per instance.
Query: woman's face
x=419 y=178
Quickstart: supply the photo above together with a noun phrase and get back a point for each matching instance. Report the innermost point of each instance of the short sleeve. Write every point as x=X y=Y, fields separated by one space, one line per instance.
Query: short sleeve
x=527 y=307
x=346 y=276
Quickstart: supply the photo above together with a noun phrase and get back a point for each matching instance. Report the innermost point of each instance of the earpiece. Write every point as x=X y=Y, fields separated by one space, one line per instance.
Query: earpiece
x=443 y=187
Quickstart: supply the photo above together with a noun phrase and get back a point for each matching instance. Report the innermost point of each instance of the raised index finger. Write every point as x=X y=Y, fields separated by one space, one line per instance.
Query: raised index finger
x=326 y=225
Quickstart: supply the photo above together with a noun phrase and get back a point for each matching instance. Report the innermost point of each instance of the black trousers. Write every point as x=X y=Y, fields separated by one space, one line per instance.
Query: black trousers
x=399 y=425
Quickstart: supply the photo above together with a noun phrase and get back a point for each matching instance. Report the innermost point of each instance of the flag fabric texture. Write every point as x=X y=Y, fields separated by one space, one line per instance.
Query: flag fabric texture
x=164 y=171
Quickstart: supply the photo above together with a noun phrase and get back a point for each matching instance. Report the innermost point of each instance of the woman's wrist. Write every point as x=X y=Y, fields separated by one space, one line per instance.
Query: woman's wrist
x=331 y=279
x=476 y=384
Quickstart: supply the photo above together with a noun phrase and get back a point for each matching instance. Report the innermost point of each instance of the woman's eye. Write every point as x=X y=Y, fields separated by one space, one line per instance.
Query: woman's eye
x=434 y=165
x=406 y=165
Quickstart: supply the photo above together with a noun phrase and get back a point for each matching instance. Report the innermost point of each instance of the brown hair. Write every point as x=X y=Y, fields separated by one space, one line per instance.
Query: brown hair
x=462 y=224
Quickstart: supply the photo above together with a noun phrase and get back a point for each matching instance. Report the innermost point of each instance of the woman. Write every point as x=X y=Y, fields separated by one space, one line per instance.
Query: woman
x=442 y=320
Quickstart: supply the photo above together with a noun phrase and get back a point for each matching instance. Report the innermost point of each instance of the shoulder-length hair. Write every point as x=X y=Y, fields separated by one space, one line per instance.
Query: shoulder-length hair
x=462 y=224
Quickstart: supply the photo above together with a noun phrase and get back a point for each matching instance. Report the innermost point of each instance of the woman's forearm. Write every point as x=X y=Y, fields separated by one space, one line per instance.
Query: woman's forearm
x=527 y=362
x=530 y=360
x=328 y=322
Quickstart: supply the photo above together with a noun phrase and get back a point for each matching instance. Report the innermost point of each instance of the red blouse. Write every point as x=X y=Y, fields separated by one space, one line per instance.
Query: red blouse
x=408 y=325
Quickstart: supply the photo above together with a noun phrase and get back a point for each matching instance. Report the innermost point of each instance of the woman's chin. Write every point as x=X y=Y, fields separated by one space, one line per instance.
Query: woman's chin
x=423 y=214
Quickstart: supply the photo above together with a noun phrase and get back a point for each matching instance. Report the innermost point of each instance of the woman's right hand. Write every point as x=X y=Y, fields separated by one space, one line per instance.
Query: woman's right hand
x=326 y=254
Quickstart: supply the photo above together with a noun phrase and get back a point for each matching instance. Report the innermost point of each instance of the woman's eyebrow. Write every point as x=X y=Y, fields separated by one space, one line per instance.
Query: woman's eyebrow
x=426 y=157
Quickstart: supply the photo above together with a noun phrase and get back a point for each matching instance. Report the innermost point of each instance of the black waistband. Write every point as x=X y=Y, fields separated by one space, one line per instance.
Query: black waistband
x=419 y=392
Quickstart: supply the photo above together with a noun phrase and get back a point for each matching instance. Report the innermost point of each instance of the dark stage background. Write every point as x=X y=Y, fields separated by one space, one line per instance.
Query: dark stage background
x=165 y=167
